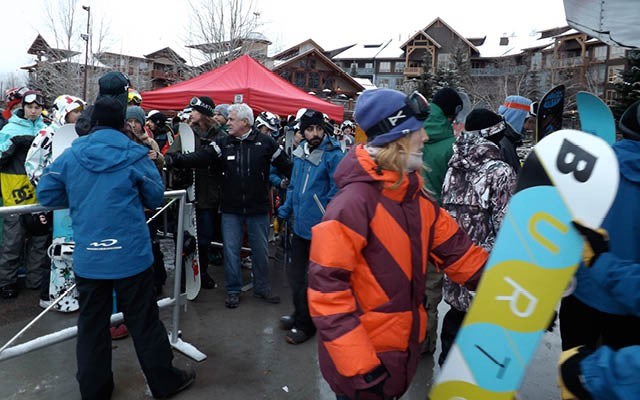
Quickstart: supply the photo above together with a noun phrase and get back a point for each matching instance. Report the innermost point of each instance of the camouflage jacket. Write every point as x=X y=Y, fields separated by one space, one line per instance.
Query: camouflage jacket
x=476 y=190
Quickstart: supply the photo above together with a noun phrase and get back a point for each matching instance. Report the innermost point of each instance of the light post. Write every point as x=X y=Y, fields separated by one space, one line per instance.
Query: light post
x=85 y=37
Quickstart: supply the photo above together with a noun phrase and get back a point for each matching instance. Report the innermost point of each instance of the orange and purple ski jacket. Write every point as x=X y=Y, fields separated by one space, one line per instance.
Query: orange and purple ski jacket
x=367 y=271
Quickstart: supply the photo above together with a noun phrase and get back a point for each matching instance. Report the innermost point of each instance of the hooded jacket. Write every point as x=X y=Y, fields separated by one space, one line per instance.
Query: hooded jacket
x=623 y=225
x=312 y=175
x=106 y=180
x=367 y=273
x=476 y=190
x=15 y=140
x=438 y=150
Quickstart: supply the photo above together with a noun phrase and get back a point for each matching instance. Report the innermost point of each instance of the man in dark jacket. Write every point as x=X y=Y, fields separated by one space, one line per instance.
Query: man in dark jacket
x=244 y=157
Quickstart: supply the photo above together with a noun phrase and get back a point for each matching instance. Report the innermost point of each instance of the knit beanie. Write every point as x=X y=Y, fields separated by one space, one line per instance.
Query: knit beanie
x=135 y=112
x=205 y=105
x=515 y=110
x=114 y=84
x=448 y=100
x=158 y=118
x=374 y=105
x=222 y=109
x=108 y=111
x=485 y=123
x=309 y=118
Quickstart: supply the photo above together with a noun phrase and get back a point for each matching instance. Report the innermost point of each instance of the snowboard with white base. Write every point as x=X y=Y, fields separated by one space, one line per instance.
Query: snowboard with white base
x=61 y=249
x=191 y=261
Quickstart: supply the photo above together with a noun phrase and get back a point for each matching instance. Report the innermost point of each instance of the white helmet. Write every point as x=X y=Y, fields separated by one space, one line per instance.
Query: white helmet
x=268 y=119
x=63 y=105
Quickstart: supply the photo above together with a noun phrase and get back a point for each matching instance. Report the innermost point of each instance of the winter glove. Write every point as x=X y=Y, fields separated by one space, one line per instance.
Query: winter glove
x=596 y=242
x=168 y=161
x=569 y=374
x=373 y=393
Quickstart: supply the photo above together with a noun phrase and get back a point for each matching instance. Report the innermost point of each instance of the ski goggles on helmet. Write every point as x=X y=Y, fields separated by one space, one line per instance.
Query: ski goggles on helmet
x=415 y=105
x=32 y=97
x=196 y=102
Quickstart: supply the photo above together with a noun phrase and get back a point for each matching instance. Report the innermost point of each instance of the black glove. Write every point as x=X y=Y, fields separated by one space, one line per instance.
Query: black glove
x=552 y=324
x=373 y=393
x=597 y=242
x=570 y=375
x=168 y=161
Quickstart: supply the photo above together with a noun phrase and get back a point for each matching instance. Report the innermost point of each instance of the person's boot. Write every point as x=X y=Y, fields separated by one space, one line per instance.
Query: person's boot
x=206 y=281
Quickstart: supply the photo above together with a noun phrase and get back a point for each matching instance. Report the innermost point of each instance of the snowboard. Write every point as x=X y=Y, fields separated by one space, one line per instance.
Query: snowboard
x=549 y=114
x=61 y=249
x=190 y=260
x=570 y=175
x=595 y=116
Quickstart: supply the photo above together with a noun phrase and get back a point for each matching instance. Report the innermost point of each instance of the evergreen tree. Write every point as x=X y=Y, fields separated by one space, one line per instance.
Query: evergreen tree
x=628 y=89
x=426 y=79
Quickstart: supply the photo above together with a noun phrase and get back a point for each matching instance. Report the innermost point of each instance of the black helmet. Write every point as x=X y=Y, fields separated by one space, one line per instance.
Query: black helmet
x=630 y=122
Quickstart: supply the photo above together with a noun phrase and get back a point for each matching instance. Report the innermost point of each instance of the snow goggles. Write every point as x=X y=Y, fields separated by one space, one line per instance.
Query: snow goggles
x=37 y=98
x=415 y=105
x=491 y=130
x=196 y=102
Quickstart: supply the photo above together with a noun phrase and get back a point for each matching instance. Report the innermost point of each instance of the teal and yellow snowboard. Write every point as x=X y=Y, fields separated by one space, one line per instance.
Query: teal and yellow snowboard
x=569 y=175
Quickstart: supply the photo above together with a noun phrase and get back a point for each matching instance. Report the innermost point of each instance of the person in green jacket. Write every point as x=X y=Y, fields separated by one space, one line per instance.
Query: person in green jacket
x=445 y=105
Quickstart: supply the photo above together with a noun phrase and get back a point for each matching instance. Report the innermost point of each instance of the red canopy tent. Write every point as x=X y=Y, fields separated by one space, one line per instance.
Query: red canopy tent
x=261 y=89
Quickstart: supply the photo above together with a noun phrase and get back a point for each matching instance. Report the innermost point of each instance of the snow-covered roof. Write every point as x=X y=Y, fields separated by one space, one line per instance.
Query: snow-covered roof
x=362 y=51
x=391 y=51
x=515 y=44
x=365 y=83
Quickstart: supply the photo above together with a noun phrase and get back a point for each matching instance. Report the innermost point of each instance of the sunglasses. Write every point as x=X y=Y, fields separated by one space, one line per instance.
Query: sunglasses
x=34 y=98
x=196 y=102
x=415 y=105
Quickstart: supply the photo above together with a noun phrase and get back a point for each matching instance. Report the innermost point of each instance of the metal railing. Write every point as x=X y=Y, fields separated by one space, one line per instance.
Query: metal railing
x=71 y=332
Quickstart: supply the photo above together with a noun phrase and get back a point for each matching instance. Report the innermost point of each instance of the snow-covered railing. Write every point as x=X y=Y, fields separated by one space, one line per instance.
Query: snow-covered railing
x=71 y=332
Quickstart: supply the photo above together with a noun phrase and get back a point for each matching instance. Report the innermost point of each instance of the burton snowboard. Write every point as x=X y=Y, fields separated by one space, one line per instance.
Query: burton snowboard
x=190 y=260
x=61 y=249
x=595 y=116
x=569 y=175
x=549 y=113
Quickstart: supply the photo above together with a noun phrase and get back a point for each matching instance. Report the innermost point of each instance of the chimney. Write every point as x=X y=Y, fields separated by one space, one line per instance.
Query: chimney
x=504 y=41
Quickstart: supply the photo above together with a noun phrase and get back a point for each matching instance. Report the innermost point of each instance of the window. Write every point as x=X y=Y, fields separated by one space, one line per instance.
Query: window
x=600 y=53
x=368 y=65
x=385 y=66
x=614 y=73
x=314 y=80
x=383 y=83
x=398 y=67
x=616 y=52
x=444 y=60
x=300 y=79
x=536 y=61
x=610 y=97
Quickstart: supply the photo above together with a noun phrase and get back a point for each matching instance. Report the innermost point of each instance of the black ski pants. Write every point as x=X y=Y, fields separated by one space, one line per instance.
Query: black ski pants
x=297 y=275
x=450 y=326
x=581 y=324
x=136 y=299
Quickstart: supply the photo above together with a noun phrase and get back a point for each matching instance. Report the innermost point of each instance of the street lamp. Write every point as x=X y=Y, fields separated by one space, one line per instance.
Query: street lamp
x=86 y=37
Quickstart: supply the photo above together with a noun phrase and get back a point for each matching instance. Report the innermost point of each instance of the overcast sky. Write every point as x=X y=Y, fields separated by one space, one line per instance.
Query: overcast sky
x=142 y=26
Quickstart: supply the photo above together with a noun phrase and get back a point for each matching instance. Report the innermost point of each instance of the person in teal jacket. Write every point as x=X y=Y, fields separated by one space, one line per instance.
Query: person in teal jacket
x=106 y=180
x=15 y=139
x=436 y=153
x=310 y=190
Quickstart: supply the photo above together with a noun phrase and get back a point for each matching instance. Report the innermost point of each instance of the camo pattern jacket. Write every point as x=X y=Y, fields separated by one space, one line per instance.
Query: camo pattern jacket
x=476 y=190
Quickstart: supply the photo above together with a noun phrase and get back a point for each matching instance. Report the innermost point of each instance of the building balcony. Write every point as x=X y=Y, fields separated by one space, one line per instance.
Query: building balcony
x=166 y=75
x=492 y=71
x=413 y=71
x=568 y=62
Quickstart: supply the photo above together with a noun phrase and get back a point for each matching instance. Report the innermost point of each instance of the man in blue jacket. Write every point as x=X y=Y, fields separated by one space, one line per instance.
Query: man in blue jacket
x=107 y=180
x=604 y=309
x=311 y=188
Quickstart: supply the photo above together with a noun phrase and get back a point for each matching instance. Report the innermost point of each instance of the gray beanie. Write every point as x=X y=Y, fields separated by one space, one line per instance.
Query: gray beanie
x=135 y=112
x=223 y=109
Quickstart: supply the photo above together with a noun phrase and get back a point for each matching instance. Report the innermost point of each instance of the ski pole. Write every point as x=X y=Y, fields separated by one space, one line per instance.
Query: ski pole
x=315 y=197
x=160 y=211
x=33 y=321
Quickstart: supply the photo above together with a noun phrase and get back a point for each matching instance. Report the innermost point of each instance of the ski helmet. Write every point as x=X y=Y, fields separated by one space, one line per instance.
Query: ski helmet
x=268 y=119
x=347 y=124
x=133 y=97
x=63 y=105
x=630 y=122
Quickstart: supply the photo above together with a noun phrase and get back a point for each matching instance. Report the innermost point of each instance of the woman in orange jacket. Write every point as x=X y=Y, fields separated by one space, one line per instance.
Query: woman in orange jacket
x=369 y=254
